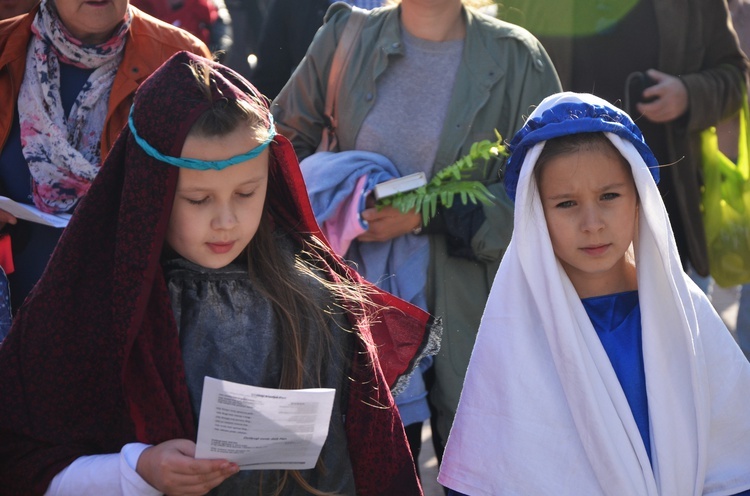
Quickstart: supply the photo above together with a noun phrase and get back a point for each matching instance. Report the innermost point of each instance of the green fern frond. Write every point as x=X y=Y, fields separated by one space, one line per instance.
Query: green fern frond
x=450 y=182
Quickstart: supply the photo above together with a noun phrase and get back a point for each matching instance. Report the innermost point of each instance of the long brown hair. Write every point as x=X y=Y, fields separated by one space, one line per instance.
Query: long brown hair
x=280 y=277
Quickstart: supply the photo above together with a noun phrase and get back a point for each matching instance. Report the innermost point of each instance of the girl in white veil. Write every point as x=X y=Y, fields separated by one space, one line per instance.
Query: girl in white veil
x=599 y=367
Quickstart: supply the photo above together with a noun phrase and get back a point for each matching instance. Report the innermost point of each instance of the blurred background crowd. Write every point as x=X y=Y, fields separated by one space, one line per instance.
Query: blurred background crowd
x=689 y=50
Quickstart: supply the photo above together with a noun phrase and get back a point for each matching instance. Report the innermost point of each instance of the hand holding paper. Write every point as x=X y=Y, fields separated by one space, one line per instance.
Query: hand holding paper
x=260 y=428
x=171 y=468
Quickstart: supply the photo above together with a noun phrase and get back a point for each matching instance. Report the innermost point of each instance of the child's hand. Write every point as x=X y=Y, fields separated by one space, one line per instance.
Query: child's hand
x=388 y=223
x=671 y=98
x=171 y=468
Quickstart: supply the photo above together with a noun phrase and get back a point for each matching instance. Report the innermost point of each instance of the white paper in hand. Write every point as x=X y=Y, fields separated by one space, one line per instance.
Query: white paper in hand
x=33 y=214
x=263 y=429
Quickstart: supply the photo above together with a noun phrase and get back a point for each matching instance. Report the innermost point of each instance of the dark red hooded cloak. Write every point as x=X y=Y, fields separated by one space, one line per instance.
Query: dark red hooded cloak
x=93 y=360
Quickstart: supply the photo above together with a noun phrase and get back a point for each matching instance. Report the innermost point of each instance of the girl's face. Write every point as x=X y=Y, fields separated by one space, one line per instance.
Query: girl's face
x=217 y=212
x=591 y=206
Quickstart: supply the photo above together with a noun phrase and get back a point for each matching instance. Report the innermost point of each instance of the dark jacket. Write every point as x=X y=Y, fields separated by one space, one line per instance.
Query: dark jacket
x=696 y=43
x=288 y=30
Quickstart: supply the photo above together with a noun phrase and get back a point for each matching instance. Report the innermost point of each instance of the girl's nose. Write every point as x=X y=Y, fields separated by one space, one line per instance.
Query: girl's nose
x=224 y=218
x=592 y=219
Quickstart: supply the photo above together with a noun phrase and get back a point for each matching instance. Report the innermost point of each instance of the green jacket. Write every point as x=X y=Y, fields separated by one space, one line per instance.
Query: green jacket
x=504 y=71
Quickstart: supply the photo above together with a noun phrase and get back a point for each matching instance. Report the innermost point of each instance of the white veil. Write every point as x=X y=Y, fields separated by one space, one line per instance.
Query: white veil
x=542 y=411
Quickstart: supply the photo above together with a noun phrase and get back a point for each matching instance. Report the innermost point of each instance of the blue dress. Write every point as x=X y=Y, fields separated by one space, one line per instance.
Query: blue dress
x=617 y=321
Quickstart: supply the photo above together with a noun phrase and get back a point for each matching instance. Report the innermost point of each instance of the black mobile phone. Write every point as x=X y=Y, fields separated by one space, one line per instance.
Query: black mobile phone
x=635 y=83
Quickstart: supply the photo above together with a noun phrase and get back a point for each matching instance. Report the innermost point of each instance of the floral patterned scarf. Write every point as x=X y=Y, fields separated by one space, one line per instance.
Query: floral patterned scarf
x=63 y=153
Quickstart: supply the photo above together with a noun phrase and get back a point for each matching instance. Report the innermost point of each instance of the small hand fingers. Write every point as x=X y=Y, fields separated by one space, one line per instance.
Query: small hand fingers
x=197 y=484
x=194 y=467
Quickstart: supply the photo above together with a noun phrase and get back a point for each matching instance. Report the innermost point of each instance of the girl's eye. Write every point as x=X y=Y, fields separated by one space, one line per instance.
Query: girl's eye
x=610 y=196
x=246 y=195
x=196 y=202
x=566 y=204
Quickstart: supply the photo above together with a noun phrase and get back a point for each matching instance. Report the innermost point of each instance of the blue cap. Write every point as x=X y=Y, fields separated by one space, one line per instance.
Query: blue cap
x=568 y=113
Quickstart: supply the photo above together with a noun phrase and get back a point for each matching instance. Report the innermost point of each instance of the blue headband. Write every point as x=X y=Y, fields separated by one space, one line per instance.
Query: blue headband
x=567 y=118
x=194 y=163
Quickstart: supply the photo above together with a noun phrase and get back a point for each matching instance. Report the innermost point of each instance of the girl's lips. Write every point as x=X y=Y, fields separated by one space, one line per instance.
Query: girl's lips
x=595 y=250
x=220 y=248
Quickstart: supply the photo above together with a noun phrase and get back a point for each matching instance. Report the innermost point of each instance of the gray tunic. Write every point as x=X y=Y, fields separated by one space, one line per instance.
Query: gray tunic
x=228 y=331
x=413 y=96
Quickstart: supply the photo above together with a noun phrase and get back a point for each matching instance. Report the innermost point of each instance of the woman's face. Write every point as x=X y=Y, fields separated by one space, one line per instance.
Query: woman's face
x=91 y=21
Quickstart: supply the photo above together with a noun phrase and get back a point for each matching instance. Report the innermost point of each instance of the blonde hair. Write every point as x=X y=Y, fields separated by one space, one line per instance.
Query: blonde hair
x=225 y=115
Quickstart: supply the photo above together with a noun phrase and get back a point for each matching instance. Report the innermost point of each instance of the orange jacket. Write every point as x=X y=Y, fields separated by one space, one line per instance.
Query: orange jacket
x=150 y=43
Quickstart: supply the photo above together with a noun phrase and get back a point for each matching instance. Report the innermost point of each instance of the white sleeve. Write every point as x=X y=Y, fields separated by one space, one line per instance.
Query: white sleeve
x=112 y=474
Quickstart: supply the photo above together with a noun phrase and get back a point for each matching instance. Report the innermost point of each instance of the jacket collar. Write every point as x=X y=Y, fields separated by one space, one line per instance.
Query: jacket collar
x=477 y=74
x=136 y=63
x=487 y=73
x=15 y=38
x=391 y=43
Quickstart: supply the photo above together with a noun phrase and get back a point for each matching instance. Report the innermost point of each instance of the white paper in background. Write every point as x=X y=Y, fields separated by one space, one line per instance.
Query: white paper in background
x=261 y=428
x=33 y=214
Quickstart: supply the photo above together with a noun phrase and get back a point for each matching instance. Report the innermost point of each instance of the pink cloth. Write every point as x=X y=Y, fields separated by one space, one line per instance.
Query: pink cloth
x=345 y=225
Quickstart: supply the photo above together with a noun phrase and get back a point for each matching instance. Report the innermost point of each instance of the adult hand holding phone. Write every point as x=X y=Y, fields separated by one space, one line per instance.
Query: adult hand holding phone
x=670 y=98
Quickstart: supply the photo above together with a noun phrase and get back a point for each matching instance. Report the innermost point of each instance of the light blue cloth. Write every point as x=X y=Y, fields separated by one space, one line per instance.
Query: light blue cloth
x=398 y=266
x=332 y=177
